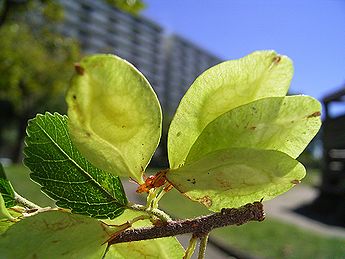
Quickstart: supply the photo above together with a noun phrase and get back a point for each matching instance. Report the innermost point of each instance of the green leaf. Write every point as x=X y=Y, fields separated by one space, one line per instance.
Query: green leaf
x=9 y=220
x=55 y=234
x=65 y=175
x=6 y=189
x=115 y=116
x=234 y=177
x=286 y=124
x=4 y=214
x=5 y=224
x=133 y=6
x=163 y=248
x=222 y=88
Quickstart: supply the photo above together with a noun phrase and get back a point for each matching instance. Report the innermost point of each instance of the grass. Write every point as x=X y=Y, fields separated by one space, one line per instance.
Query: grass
x=267 y=239
x=274 y=239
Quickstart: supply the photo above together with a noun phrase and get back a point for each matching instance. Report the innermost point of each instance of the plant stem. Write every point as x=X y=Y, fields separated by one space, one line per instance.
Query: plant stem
x=191 y=247
x=199 y=226
x=150 y=198
x=202 y=247
x=26 y=203
x=159 y=196
x=155 y=212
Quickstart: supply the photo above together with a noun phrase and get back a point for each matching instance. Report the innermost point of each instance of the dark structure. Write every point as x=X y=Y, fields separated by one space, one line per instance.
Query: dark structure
x=331 y=202
x=333 y=177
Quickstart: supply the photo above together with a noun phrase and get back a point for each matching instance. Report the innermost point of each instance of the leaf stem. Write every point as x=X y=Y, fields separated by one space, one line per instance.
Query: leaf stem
x=151 y=197
x=159 y=196
x=26 y=203
x=202 y=246
x=199 y=226
x=153 y=212
x=191 y=247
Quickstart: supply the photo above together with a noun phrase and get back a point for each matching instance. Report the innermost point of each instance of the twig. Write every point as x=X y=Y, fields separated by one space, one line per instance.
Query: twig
x=198 y=226
x=26 y=203
x=191 y=247
x=155 y=212
x=202 y=246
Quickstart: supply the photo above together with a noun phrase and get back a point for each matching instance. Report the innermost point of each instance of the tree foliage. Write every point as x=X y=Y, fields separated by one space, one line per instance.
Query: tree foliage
x=35 y=61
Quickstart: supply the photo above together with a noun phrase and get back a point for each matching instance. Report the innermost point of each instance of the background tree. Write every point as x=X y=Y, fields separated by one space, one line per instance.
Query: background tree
x=35 y=60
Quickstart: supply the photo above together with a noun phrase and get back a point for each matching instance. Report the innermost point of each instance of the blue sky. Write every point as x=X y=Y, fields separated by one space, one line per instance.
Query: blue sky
x=310 y=32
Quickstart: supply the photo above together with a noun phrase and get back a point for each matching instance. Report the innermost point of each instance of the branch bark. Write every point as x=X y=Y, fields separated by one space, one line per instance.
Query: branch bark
x=198 y=226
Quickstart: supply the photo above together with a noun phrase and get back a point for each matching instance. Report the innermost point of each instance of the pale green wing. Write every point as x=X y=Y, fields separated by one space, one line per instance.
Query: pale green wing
x=286 y=124
x=115 y=117
x=222 y=88
x=56 y=234
x=234 y=177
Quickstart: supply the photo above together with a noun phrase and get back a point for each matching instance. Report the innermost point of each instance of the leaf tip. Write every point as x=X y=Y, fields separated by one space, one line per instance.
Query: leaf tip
x=315 y=114
x=276 y=59
x=295 y=181
x=79 y=69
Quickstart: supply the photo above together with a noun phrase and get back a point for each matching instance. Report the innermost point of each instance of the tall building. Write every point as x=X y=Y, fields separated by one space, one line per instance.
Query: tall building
x=103 y=29
x=169 y=62
x=184 y=61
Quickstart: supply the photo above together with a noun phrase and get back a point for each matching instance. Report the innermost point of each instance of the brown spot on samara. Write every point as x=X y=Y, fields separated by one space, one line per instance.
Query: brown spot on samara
x=88 y=134
x=295 y=181
x=315 y=114
x=277 y=59
x=206 y=200
x=79 y=69
x=252 y=128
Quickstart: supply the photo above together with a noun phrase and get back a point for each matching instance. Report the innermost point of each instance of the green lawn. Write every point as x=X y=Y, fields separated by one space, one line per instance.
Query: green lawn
x=267 y=239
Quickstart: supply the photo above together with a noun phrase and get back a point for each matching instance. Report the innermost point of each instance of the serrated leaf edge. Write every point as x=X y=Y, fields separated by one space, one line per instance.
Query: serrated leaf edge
x=59 y=116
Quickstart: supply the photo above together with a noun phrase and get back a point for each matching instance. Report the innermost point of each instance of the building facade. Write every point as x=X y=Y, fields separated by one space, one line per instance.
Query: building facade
x=184 y=61
x=169 y=62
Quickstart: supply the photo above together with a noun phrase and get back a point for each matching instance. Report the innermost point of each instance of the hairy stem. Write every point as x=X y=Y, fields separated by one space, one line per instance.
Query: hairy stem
x=199 y=226
x=191 y=247
x=26 y=203
x=159 y=195
x=202 y=247
x=150 y=198
x=153 y=212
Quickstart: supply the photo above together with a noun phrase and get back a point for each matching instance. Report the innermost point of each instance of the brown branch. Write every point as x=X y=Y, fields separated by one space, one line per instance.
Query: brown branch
x=198 y=226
